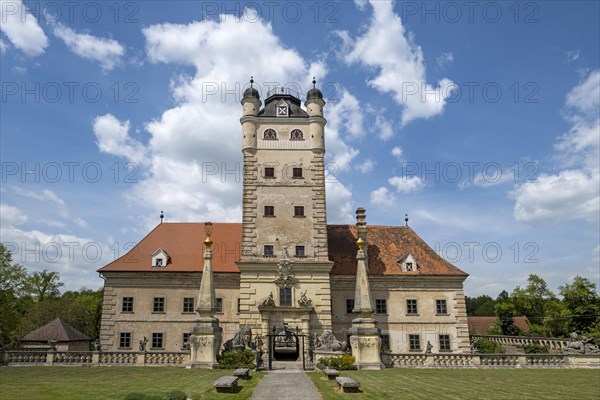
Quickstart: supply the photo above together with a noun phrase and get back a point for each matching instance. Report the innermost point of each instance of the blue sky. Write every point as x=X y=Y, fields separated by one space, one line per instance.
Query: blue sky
x=480 y=120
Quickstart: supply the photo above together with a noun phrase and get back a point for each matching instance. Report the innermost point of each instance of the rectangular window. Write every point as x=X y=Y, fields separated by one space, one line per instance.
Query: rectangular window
x=297 y=172
x=269 y=211
x=219 y=305
x=157 y=340
x=186 y=341
x=385 y=342
x=285 y=296
x=298 y=211
x=268 y=250
x=188 y=304
x=125 y=340
x=380 y=306
x=159 y=304
x=411 y=307
x=414 y=342
x=299 y=251
x=127 y=305
x=444 y=342
x=269 y=172
x=349 y=306
x=440 y=307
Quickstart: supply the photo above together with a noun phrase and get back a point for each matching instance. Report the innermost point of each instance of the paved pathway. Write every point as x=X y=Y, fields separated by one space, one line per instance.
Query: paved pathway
x=286 y=381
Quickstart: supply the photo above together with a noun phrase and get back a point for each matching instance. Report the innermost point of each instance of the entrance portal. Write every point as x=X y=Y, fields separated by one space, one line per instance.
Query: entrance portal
x=285 y=346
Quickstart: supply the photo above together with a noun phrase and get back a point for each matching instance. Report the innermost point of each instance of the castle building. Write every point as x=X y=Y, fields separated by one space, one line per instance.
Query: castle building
x=283 y=267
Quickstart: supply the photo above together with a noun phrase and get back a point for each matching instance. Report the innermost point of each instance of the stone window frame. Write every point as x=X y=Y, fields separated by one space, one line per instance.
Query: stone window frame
x=157 y=338
x=270 y=134
x=124 y=340
x=299 y=212
x=272 y=250
x=349 y=306
x=296 y=134
x=414 y=342
x=410 y=306
x=441 y=307
x=444 y=342
x=286 y=297
x=269 y=211
x=127 y=308
x=186 y=309
x=270 y=174
x=381 y=306
x=159 y=305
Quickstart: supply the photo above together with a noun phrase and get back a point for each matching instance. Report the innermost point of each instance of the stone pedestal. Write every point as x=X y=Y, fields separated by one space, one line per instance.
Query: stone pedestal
x=366 y=344
x=205 y=343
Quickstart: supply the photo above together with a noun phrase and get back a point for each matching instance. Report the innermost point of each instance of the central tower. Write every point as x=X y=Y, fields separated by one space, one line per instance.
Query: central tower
x=284 y=264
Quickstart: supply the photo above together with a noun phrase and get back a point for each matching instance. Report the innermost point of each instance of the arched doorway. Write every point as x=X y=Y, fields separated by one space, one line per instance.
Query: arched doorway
x=285 y=345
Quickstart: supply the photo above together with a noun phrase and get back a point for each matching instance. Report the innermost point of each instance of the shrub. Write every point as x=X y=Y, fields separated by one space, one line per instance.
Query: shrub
x=484 y=346
x=236 y=359
x=533 y=348
x=343 y=363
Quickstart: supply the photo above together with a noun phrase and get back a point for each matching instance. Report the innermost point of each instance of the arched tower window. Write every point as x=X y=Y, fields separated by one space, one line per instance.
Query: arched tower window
x=270 y=134
x=296 y=135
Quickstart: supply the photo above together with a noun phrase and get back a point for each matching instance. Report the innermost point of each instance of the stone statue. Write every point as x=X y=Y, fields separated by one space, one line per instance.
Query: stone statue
x=267 y=301
x=241 y=340
x=429 y=347
x=327 y=341
x=304 y=301
x=143 y=344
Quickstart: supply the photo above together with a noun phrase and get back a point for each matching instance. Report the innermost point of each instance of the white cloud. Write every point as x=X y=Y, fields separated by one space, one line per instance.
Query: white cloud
x=107 y=52
x=406 y=184
x=21 y=28
x=574 y=192
x=113 y=138
x=400 y=66
x=444 y=59
x=382 y=197
x=397 y=152
x=366 y=166
x=10 y=215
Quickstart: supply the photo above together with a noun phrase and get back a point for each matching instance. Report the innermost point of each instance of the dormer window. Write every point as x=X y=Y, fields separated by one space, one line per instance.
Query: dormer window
x=160 y=259
x=408 y=263
x=296 y=135
x=270 y=134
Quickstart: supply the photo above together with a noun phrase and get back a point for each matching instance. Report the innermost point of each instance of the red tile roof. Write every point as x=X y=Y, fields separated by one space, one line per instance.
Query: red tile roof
x=480 y=325
x=184 y=244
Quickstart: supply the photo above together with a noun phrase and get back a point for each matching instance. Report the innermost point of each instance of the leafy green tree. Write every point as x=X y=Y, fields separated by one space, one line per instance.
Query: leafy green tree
x=582 y=302
x=13 y=279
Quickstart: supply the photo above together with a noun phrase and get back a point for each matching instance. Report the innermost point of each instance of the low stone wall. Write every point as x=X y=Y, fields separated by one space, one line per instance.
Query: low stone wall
x=93 y=358
x=490 y=361
x=553 y=344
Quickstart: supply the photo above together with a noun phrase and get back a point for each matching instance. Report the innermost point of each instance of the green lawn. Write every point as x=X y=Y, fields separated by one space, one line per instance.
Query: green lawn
x=407 y=383
x=114 y=383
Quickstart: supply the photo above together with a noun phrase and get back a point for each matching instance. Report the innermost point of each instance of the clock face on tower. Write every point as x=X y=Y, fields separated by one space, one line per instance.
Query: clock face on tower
x=282 y=111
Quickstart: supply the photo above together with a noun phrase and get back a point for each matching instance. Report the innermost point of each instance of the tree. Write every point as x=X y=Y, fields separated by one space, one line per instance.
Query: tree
x=582 y=303
x=13 y=279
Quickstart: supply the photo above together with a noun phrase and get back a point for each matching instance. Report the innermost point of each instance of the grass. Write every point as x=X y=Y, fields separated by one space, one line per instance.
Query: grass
x=114 y=383
x=406 y=383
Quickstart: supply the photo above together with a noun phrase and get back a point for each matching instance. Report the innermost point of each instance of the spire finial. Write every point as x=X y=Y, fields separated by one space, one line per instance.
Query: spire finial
x=251 y=81
x=314 y=82
x=406 y=219
x=162 y=215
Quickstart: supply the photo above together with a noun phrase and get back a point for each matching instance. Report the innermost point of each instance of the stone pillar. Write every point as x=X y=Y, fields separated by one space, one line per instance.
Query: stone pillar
x=364 y=340
x=205 y=341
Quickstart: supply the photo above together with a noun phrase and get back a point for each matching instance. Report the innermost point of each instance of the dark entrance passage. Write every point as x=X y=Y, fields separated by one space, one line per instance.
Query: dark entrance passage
x=286 y=345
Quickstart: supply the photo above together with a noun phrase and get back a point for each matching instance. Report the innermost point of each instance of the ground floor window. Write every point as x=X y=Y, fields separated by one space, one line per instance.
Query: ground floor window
x=414 y=342
x=158 y=340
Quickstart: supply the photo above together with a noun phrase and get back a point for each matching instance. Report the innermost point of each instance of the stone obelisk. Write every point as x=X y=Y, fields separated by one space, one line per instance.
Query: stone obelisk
x=364 y=339
x=205 y=340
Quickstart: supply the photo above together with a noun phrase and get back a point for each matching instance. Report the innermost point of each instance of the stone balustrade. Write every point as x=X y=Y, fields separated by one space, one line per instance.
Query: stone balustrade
x=553 y=344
